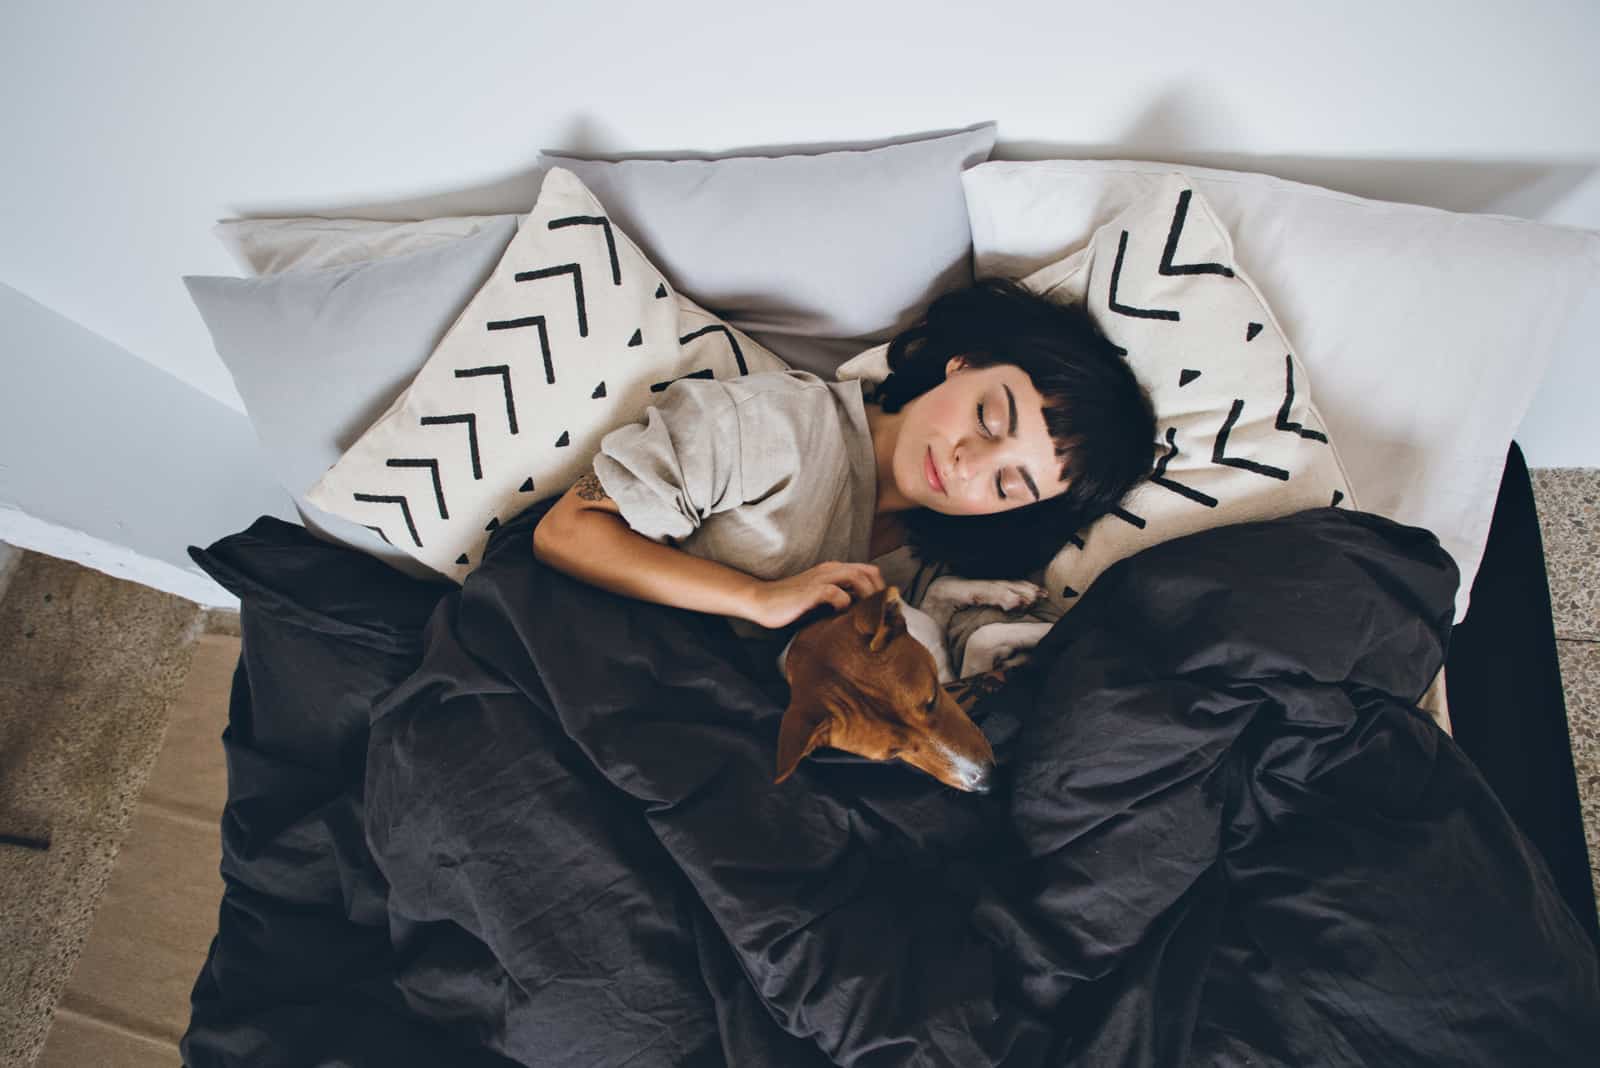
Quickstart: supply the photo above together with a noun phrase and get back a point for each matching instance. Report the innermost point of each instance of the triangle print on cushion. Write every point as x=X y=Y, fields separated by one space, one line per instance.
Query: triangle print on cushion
x=509 y=400
x=1239 y=439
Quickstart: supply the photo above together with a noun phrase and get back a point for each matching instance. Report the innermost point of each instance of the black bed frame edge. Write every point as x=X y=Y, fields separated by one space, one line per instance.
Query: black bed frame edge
x=1503 y=685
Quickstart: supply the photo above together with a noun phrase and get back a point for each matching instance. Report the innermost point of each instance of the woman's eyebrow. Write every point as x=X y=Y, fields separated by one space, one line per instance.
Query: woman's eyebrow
x=1012 y=432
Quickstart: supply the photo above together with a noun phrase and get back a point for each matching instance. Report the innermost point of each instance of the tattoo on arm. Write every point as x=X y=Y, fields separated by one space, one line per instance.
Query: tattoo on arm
x=969 y=691
x=589 y=488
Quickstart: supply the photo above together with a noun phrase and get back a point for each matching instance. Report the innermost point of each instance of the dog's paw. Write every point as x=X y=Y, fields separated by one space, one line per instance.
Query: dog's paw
x=1015 y=595
x=1000 y=645
x=1007 y=594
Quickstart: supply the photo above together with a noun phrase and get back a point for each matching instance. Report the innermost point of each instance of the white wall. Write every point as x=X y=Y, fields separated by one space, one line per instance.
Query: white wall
x=130 y=127
x=114 y=463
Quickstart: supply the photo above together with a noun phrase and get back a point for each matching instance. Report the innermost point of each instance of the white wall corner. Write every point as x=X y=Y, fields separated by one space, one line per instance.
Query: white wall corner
x=23 y=531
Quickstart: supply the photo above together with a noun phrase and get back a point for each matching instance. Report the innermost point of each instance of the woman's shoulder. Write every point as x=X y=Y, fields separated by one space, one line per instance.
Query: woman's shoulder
x=788 y=382
x=794 y=395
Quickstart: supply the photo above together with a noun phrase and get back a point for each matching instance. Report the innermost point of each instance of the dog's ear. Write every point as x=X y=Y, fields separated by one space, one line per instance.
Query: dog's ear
x=804 y=727
x=880 y=618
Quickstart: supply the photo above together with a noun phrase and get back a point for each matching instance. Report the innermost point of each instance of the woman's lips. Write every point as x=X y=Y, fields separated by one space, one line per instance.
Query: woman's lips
x=932 y=472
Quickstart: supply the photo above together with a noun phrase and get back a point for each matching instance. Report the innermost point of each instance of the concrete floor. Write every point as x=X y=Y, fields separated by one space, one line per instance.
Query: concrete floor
x=1568 y=500
x=112 y=698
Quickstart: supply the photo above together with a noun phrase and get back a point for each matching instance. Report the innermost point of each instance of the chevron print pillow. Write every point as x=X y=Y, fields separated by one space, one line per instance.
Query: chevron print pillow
x=1239 y=438
x=570 y=338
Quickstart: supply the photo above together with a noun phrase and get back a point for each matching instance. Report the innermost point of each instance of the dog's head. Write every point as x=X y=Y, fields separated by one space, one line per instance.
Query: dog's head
x=858 y=681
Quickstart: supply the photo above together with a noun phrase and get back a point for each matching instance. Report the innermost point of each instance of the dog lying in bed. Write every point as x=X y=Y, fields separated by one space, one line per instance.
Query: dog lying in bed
x=876 y=680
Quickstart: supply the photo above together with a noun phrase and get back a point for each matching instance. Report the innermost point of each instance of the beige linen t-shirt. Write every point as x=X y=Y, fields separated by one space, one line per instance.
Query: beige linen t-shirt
x=769 y=473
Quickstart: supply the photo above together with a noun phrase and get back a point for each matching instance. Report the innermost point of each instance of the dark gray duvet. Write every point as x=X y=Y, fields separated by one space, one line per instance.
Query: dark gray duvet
x=530 y=822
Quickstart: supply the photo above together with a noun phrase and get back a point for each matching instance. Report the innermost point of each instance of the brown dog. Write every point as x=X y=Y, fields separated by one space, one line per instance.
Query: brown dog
x=858 y=681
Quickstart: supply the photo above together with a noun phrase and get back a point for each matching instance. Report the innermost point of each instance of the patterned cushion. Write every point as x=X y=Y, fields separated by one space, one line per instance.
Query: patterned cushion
x=1239 y=439
x=1428 y=331
x=571 y=337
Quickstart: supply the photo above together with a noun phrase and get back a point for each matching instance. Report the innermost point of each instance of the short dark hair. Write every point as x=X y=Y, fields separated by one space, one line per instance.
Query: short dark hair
x=1099 y=416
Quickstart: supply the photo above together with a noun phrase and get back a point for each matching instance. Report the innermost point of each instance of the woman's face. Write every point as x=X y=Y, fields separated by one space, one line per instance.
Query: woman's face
x=949 y=461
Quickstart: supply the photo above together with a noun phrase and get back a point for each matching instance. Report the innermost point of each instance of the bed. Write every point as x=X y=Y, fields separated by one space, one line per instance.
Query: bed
x=520 y=863
x=485 y=814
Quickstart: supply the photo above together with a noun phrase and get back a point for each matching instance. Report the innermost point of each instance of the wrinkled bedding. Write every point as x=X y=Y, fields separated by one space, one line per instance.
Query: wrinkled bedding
x=530 y=822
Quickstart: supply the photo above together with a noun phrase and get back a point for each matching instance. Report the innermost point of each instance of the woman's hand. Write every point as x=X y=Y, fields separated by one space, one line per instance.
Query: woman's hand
x=778 y=603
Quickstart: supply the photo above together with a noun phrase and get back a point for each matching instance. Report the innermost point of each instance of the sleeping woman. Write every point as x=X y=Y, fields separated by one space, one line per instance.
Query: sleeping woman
x=1007 y=423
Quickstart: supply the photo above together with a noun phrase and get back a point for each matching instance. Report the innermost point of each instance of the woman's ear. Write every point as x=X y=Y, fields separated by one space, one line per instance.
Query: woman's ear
x=954 y=364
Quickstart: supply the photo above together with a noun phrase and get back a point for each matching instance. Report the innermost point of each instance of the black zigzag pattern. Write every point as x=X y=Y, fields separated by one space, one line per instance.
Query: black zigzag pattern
x=1283 y=422
x=704 y=372
x=504 y=371
x=470 y=419
x=1213 y=340
x=1128 y=309
x=576 y=272
x=537 y=322
x=470 y=408
x=1167 y=267
x=733 y=343
x=432 y=467
x=1179 y=217
x=1135 y=521
x=1220 y=447
x=405 y=510
x=611 y=238
x=1160 y=479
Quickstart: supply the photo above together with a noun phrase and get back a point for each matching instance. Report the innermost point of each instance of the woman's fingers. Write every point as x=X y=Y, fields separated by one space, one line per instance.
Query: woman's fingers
x=863 y=579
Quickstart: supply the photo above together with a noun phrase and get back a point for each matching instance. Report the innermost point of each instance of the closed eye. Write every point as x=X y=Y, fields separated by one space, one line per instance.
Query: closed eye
x=983 y=428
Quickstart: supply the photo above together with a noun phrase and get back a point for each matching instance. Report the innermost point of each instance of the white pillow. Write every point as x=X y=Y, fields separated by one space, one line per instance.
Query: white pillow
x=305 y=243
x=756 y=238
x=1427 y=331
x=1238 y=437
x=571 y=337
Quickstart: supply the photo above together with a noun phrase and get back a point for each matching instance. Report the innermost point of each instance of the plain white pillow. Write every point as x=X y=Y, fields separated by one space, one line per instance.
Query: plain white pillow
x=308 y=243
x=1425 y=331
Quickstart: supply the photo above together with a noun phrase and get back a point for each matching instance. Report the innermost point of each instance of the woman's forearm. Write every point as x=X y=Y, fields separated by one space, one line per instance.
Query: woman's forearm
x=600 y=548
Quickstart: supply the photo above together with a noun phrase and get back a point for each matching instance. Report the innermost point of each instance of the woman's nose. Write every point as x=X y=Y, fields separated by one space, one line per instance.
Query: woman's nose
x=973 y=458
x=958 y=463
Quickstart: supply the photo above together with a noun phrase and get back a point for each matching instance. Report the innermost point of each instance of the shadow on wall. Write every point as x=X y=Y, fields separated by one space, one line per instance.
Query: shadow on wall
x=1176 y=129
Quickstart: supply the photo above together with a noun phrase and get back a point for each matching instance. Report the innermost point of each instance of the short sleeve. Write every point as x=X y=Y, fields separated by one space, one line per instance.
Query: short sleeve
x=679 y=465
